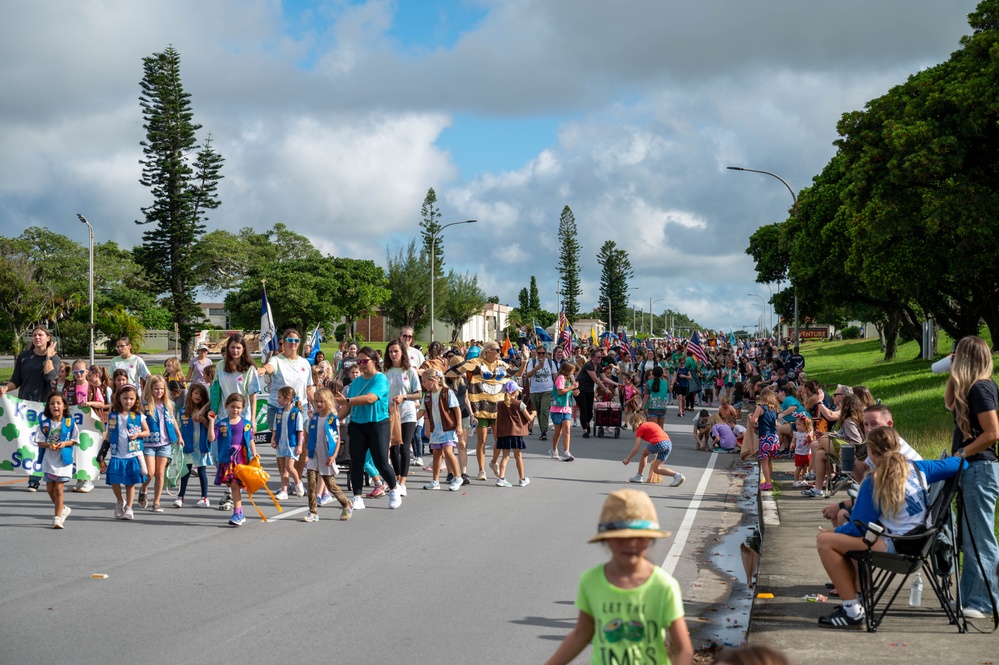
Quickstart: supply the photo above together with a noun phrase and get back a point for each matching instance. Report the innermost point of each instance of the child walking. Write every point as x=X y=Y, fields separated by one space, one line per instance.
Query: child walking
x=659 y=445
x=58 y=433
x=442 y=414
x=656 y=392
x=126 y=429
x=764 y=418
x=803 y=437
x=513 y=417
x=197 y=428
x=162 y=435
x=628 y=605
x=234 y=437
x=562 y=403
x=324 y=439
x=289 y=430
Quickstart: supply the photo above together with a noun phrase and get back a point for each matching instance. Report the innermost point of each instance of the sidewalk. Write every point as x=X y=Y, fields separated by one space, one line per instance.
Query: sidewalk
x=790 y=569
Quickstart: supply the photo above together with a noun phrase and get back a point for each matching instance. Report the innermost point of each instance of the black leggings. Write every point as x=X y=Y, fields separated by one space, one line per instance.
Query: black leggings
x=399 y=455
x=202 y=478
x=585 y=410
x=373 y=437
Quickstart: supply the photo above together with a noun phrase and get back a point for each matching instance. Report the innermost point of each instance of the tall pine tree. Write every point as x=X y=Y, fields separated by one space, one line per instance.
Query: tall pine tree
x=431 y=226
x=614 y=275
x=183 y=192
x=568 y=264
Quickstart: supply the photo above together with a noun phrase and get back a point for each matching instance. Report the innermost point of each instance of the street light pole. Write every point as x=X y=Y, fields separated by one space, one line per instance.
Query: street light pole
x=84 y=220
x=794 y=198
x=652 y=317
x=433 y=280
x=763 y=304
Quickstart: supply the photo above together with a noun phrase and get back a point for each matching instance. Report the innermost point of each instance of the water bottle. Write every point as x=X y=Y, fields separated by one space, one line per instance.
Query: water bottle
x=916 y=591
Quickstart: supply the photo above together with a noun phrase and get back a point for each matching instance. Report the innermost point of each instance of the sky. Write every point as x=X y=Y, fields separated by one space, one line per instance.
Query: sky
x=336 y=117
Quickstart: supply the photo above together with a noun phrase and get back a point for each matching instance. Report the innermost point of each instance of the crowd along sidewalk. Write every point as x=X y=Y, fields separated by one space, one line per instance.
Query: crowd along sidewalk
x=790 y=570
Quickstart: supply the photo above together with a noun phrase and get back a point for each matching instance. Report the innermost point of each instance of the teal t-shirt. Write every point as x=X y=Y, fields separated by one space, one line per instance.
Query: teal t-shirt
x=787 y=404
x=370 y=413
x=630 y=624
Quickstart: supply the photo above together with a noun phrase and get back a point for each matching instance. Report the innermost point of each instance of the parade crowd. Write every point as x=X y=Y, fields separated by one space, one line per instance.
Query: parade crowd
x=379 y=414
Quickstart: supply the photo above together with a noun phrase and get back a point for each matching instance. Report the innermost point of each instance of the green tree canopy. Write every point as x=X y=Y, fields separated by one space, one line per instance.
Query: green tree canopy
x=463 y=299
x=568 y=263
x=615 y=271
x=408 y=278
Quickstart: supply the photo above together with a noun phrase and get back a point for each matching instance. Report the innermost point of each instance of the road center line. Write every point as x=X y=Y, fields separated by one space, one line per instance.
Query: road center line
x=680 y=539
x=288 y=513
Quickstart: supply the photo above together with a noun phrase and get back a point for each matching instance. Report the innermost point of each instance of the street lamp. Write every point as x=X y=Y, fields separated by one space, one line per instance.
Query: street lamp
x=763 y=304
x=794 y=198
x=84 y=220
x=433 y=281
x=652 y=318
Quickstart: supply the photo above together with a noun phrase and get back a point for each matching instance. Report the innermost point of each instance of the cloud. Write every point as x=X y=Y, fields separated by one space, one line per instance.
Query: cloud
x=329 y=122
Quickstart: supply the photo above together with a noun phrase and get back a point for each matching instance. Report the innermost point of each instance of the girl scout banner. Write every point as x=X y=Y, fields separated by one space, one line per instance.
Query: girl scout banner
x=18 y=425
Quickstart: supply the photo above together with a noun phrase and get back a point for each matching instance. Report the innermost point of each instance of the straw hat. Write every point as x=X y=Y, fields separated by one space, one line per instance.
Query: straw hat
x=455 y=360
x=628 y=514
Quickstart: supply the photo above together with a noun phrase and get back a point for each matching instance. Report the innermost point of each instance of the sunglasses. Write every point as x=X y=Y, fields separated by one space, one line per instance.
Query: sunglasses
x=78 y=372
x=542 y=353
x=363 y=361
x=406 y=336
x=292 y=340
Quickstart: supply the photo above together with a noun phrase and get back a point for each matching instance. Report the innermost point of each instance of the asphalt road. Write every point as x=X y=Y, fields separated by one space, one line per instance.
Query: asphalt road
x=482 y=575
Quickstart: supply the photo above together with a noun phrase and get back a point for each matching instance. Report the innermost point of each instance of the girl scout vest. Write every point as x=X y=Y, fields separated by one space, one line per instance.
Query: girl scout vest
x=231 y=439
x=286 y=424
x=67 y=429
x=156 y=437
x=332 y=435
x=133 y=424
x=188 y=427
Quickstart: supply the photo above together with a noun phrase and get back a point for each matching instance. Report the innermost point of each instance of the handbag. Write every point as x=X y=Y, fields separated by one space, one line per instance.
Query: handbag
x=395 y=426
x=253 y=478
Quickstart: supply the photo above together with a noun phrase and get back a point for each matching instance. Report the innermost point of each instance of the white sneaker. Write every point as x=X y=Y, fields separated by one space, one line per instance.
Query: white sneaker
x=432 y=485
x=418 y=461
x=524 y=482
x=677 y=480
x=567 y=456
x=204 y=503
x=637 y=478
x=494 y=467
x=300 y=490
x=395 y=500
x=969 y=612
x=401 y=489
x=179 y=503
x=87 y=486
x=553 y=453
x=56 y=522
x=358 y=503
x=503 y=482
x=456 y=484
x=282 y=495
x=482 y=475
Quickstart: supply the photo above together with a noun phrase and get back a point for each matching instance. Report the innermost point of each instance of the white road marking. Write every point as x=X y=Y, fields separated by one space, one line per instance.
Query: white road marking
x=680 y=538
x=288 y=513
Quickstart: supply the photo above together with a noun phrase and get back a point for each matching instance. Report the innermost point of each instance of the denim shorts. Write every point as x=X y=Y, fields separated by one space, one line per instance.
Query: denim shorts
x=655 y=413
x=49 y=478
x=158 y=451
x=559 y=418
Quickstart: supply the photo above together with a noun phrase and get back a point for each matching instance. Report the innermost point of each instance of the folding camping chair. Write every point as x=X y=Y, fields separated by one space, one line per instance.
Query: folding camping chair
x=926 y=552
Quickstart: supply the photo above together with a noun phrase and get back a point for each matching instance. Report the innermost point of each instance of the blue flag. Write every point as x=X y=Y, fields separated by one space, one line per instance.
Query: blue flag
x=314 y=342
x=268 y=333
x=541 y=333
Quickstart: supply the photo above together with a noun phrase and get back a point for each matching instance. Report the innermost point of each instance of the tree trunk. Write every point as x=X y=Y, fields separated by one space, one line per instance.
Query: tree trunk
x=893 y=325
x=880 y=327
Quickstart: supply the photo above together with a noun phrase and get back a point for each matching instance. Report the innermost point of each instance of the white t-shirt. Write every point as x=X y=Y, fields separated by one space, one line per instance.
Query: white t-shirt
x=403 y=382
x=801 y=444
x=908 y=452
x=544 y=379
x=134 y=366
x=416 y=357
x=52 y=461
x=246 y=384
x=296 y=373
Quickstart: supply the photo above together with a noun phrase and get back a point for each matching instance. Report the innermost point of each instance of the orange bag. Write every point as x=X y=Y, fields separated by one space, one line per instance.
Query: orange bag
x=253 y=478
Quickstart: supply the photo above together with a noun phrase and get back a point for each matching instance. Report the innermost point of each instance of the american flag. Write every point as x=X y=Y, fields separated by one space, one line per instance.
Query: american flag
x=694 y=345
x=625 y=346
x=564 y=332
